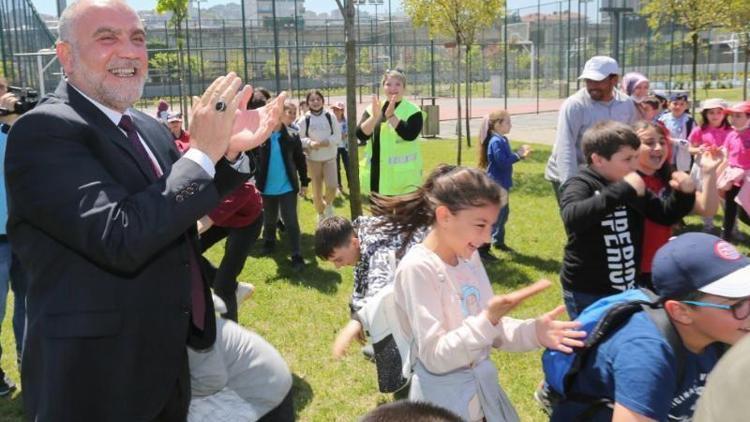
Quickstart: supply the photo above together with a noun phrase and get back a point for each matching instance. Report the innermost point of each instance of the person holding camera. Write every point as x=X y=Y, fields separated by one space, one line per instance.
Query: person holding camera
x=10 y=273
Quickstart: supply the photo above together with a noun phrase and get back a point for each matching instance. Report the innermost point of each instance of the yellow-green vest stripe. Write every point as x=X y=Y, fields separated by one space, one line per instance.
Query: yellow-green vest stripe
x=400 y=160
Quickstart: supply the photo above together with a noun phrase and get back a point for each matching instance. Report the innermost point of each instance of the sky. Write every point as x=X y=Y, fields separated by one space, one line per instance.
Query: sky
x=49 y=6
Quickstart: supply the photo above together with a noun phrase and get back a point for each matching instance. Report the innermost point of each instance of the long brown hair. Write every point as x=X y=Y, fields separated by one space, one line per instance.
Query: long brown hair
x=454 y=187
x=497 y=116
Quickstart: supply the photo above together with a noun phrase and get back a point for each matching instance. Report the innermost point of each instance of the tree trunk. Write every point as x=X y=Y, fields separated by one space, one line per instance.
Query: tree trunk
x=458 y=101
x=694 y=39
x=355 y=196
x=744 y=78
x=467 y=94
x=180 y=80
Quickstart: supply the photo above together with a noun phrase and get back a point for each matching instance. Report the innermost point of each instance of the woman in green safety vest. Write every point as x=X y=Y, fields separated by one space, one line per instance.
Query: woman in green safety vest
x=392 y=164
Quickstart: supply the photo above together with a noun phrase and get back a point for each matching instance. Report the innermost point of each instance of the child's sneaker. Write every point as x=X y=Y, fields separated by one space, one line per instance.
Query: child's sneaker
x=298 y=264
x=244 y=292
x=6 y=386
x=268 y=247
x=328 y=212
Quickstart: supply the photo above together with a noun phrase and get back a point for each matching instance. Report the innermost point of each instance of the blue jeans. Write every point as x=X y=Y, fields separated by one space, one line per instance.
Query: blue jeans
x=498 y=229
x=576 y=302
x=5 y=260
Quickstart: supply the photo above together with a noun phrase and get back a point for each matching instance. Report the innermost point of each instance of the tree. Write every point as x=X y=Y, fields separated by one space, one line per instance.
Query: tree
x=236 y=63
x=461 y=20
x=179 y=10
x=739 y=22
x=346 y=7
x=164 y=65
x=269 y=67
x=695 y=16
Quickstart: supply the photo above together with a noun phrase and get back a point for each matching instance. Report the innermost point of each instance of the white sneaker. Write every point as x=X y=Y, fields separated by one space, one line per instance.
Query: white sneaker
x=321 y=217
x=244 y=292
x=328 y=212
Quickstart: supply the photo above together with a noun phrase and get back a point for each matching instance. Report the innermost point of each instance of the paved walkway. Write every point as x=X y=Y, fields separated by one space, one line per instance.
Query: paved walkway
x=528 y=126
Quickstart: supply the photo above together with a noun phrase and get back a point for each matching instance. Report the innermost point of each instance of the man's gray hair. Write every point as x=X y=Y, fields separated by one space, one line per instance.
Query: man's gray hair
x=70 y=15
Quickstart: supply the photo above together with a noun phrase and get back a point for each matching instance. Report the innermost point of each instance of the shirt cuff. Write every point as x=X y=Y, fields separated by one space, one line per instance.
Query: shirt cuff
x=241 y=164
x=199 y=157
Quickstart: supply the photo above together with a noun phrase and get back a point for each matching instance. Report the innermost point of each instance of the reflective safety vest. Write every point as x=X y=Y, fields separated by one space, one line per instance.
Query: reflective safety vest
x=400 y=160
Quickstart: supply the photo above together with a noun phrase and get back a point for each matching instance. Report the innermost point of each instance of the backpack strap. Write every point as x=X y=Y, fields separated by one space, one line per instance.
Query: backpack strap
x=307 y=123
x=659 y=316
x=330 y=121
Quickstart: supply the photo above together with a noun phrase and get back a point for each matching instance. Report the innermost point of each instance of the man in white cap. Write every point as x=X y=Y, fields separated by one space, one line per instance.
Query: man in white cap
x=599 y=100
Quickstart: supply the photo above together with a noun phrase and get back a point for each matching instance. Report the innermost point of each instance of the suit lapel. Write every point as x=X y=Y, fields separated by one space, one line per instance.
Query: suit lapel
x=109 y=131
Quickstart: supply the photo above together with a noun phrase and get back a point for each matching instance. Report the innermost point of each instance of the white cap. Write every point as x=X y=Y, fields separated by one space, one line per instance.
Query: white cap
x=599 y=68
x=714 y=103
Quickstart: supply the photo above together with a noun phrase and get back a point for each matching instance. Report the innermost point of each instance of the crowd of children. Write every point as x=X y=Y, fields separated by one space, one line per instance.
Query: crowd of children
x=418 y=259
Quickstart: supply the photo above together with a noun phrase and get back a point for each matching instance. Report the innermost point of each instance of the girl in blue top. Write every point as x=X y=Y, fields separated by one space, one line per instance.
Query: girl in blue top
x=497 y=158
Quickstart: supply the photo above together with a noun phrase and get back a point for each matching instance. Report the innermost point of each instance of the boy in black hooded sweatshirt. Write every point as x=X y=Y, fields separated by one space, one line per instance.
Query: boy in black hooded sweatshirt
x=603 y=210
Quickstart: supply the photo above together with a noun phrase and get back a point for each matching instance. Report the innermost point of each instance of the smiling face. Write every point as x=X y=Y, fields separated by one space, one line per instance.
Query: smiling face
x=677 y=107
x=641 y=90
x=465 y=231
x=601 y=90
x=394 y=86
x=315 y=102
x=653 y=150
x=105 y=56
x=719 y=324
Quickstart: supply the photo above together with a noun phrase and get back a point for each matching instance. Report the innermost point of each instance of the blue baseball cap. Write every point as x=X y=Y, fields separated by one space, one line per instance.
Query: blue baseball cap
x=703 y=262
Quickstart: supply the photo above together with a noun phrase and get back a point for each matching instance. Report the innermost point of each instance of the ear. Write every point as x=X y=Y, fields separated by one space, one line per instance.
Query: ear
x=596 y=159
x=678 y=312
x=354 y=242
x=442 y=214
x=64 y=55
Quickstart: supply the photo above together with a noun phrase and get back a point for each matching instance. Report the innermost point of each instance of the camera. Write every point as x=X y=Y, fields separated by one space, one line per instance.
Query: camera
x=27 y=99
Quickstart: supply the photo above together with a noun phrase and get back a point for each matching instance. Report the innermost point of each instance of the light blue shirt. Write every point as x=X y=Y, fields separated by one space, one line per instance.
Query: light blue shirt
x=277 y=182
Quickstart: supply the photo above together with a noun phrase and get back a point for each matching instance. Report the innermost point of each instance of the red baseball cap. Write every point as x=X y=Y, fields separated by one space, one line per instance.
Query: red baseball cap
x=743 y=107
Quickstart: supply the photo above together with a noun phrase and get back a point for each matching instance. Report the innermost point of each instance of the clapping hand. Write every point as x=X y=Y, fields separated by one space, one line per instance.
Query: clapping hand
x=499 y=305
x=212 y=116
x=524 y=151
x=252 y=127
x=391 y=107
x=682 y=182
x=377 y=109
x=711 y=158
x=558 y=335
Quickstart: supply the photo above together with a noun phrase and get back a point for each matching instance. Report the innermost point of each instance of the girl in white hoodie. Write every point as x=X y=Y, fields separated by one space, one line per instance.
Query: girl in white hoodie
x=444 y=301
x=320 y=133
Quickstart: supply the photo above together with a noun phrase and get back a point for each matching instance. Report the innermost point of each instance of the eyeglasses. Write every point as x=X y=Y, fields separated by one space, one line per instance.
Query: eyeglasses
x=395 y=69
x=740 y=310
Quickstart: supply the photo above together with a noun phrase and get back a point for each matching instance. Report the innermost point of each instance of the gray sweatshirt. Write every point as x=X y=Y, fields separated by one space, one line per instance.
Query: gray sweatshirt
x=578 y=113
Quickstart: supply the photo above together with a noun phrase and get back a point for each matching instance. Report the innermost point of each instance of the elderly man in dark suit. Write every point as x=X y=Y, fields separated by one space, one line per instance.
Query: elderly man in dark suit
x=102 y=214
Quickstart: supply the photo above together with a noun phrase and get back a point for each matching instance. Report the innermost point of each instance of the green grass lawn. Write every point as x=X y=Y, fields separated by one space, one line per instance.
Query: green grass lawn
x=300 y=313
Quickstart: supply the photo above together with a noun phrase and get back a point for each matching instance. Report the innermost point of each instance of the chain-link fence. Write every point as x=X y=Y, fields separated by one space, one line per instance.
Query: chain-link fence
x=532 y=52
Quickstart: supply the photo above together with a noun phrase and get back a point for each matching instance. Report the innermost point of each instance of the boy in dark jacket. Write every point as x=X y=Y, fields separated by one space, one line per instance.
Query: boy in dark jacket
x=603 y=210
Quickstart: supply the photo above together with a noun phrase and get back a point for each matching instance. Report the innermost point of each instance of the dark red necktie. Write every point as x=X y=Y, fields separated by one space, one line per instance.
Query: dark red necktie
x=196 y=279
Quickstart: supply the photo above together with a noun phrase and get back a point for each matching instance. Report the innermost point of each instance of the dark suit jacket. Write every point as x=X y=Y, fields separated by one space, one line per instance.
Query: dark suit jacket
x=105 y=245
